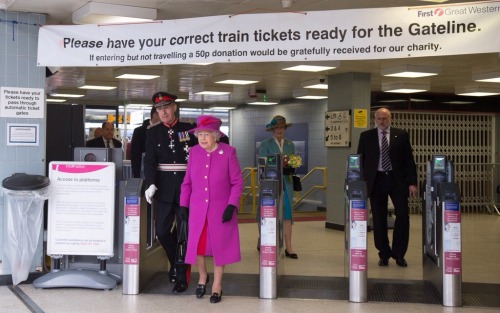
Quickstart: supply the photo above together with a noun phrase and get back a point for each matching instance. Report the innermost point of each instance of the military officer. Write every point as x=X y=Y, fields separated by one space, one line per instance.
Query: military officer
x=167 y=150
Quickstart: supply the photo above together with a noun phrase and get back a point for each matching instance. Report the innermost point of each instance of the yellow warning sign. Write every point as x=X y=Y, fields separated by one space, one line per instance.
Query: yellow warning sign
x=360 y=118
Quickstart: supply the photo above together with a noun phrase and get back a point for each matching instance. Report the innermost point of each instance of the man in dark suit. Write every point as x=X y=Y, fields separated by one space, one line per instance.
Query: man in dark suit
x=389 y=172
x=106 y=140
x=138 y=144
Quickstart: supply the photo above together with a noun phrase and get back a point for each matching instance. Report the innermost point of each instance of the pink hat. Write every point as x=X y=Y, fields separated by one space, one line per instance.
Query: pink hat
x=207 y=123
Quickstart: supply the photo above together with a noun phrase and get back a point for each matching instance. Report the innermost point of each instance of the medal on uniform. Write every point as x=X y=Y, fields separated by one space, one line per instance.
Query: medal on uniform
x=171 y=145
x=183 y=136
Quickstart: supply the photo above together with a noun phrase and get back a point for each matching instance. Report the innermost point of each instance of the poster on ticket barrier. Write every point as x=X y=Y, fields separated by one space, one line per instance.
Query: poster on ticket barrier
x=81 y=208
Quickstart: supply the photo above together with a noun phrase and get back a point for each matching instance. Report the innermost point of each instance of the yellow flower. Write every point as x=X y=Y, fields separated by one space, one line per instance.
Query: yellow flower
x=292 y=160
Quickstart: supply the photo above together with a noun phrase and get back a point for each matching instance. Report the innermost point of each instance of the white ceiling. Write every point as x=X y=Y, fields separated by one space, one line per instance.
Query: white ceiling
x=278 y=84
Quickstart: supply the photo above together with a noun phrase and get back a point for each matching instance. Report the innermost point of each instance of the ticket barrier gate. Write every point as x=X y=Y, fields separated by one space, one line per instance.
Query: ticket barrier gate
x=356 y=229
x=143 y=256
x=270 y=219
x=441 y=232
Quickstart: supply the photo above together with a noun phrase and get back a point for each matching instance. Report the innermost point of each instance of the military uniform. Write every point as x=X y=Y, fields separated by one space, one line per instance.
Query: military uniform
x=167 y=150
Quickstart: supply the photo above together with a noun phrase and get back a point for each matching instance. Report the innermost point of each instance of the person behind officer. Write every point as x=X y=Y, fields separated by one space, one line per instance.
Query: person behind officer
x=138 y=143
x=106 y=140
x=97 y=132
x=392 y=174
x=167 y=150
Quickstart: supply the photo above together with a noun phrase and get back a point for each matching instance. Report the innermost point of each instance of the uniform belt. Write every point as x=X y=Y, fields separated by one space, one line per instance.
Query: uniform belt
x=171 y=167
x=387 y=173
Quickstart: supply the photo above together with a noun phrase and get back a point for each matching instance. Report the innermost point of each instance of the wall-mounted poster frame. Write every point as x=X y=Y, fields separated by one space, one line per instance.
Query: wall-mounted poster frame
x=338 y=128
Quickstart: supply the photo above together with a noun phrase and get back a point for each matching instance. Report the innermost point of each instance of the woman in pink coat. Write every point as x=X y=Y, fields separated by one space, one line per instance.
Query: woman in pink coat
x=210 y=193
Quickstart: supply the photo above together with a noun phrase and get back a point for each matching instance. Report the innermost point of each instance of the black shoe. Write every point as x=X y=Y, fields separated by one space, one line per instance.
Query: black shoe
x=291 y=255
x=202 y=288
x=172 y=275
x=180 y=287
x=401 y=262
x=216 y=298
x=383 y=262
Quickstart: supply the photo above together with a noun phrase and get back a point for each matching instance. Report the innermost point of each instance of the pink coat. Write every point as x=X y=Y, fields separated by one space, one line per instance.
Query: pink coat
x=213 y=180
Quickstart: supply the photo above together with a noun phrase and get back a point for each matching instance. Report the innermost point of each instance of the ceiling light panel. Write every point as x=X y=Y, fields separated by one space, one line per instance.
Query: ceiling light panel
x=487 y=77
x=136 y=73
x=202 y=89
x=63 y=93
x=476 y=90
x=311 y=94
x=410 y=71
x=94 y=85
x=261 y=102
x=316 y=83
x=400 y=87
x=236 y=79
x=310 y=66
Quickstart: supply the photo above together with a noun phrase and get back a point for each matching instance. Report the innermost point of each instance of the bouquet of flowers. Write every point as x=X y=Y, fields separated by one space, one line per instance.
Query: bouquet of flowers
x=290 y=163
x=292 y=160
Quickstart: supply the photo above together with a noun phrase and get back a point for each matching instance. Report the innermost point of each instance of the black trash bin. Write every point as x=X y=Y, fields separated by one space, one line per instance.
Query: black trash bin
x=25 y=195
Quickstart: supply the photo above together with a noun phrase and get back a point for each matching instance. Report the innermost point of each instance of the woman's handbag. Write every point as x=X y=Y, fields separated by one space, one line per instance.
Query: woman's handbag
x=181 y=243
x=297 y=185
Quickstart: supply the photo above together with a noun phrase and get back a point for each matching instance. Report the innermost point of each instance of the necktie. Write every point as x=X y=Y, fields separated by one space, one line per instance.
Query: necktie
x=107 y=144
x=384 y=152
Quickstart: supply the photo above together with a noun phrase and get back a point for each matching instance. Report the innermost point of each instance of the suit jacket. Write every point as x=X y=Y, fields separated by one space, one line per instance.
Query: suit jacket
x=99 y=143
x=400 y=154
x=138 y=147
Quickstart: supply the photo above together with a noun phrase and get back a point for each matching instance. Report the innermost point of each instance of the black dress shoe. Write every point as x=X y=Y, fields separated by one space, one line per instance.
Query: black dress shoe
x=401 y=262
x=216 y=298
x=291 y=255
x=202 y=288
x=180 y=287
x=383 y=262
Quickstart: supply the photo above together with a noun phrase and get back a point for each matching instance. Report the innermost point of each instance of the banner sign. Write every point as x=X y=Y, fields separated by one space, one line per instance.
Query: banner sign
x=359 y=34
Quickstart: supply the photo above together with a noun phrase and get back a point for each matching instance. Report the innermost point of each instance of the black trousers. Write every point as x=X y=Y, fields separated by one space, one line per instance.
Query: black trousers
x=167 y=235
x=386 y=185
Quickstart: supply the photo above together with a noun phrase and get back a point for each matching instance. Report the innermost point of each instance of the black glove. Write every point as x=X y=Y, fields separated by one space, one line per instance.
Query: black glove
x=183 y=213
x=228 y=213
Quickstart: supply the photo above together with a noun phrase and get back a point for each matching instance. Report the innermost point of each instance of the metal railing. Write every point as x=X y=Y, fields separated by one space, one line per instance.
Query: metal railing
x=299 y=198
x=250 y=189
x=477 y=183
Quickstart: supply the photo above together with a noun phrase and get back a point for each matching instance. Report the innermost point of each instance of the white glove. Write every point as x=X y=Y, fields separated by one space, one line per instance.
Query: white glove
x=149 y=193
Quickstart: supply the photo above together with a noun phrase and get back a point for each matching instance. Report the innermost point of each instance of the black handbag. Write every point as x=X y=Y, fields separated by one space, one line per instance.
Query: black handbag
x=180 y=255
x=297 y=185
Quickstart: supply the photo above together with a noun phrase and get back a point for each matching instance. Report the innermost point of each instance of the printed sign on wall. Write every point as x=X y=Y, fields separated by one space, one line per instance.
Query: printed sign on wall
x=337 y=129
x=22 y=102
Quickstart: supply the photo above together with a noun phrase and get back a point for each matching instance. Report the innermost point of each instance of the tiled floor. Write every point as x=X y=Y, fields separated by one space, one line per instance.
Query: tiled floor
x=321 y=253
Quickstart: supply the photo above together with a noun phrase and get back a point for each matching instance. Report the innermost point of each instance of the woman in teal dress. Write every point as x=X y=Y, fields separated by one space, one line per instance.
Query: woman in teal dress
x=278 y=144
